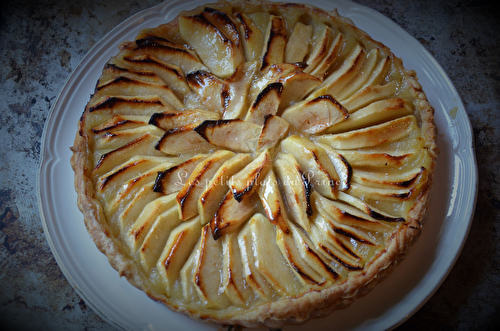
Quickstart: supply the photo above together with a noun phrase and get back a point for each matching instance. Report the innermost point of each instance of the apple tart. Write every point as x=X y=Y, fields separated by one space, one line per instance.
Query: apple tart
x=255 y=163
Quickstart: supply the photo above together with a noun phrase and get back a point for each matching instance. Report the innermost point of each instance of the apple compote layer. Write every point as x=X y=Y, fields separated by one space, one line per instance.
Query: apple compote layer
x=255 y=163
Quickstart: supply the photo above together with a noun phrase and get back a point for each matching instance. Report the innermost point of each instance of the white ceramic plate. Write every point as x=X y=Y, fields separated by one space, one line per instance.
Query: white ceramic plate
x=388 y=305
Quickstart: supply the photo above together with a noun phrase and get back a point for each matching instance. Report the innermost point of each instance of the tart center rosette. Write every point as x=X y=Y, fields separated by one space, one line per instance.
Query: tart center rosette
x=249 y=153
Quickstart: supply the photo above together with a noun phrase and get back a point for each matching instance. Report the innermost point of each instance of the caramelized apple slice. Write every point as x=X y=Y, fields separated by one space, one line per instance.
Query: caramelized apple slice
x=298 y=44
x=112 y=72
x=270 y=197
x=187 y=198
x=214 y=92
x=231 y=214
x=166 y=51
x=332 y=52
x=173 y=178
x=121 y=122
x=313 y=161
x=274 y=42
x=111 y=159
x=390 y=180
x=320 y=42
x=245 y=182
x=316 y=115
x=342 y=167
x=369 y=160
x=375 y=113
x=115 y=139
x=234 y=285
x=381 y=194
x=274 y=129
x=269 y=261
x=367 y=209
x=296 y=86
x=170 y=73
x=189 y=292
x=146 y=219
x=156 y=238
x=266 y=103
x=179 y=245
x=206 y=275
x=253 y=39
x=171 y=120
x=219 y=53
x=296 y=188
x=371 y=136
x=239 y=84
x=182 y=140
x=236 y=135
x=123 y=86
x=217 y=188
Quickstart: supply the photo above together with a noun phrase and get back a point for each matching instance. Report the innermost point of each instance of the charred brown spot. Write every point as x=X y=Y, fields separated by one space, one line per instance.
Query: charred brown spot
x=410 y=181
x=151 y=40
x=385 y=218
x=307 y=190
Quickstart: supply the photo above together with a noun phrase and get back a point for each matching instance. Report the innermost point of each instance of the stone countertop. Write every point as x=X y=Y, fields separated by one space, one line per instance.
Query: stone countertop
x=41 y=42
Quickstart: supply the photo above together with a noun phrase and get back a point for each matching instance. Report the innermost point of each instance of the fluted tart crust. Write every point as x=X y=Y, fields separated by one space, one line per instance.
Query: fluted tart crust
x=255 y=163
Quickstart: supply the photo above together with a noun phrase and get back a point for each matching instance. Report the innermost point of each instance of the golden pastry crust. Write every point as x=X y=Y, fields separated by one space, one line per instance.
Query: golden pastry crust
x=184 y=98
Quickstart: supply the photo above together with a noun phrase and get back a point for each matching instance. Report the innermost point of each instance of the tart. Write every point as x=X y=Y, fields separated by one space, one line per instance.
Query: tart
x=255 y=163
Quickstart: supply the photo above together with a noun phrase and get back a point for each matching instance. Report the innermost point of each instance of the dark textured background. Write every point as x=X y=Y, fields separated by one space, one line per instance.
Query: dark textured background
x=41 y=42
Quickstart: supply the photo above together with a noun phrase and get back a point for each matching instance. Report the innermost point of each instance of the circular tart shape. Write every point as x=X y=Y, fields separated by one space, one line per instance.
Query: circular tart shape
x=255 y=163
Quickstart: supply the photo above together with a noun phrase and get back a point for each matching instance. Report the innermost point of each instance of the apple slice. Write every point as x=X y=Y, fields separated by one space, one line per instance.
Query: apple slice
x=179 y=245
x=233 y=284
x=316 y=115
x=253 y=38
x=296 y=188
x=343 y=75
x=298 y=44
x=302 y=270
x=272 y=75
x=274 y=42
x=170 y=120
x=217 y=188
x=371 y=136
x=157 y=236
x=373 y=160
x=270 y=197
x=253 y=278
x=274 y=129
x=315 y=163
x=123 y=86
x=130 y=213
x=115 y=139
x=367 y=209
x=183 y=140
x=170 y=73
x=121 y=122
x=219 y=53
x=342 y=167
x=387 y=194
x=214 y=92
x=188 y=196
x=296 y=86
x=363 y=75
x=368 y=95
x=135 y=236
x=239 y=84
x=331 y=55
x=112 y=72
x=245 y=182
x=266 y=103
x=390 y=180
x=109 y=160
x=189 y=292
x=206 y=275
x=236 y=135
x=231 y=214
x=269 y=261
x=166 y=51
x=375 y=113
x=319 y=43
x=173 y=178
